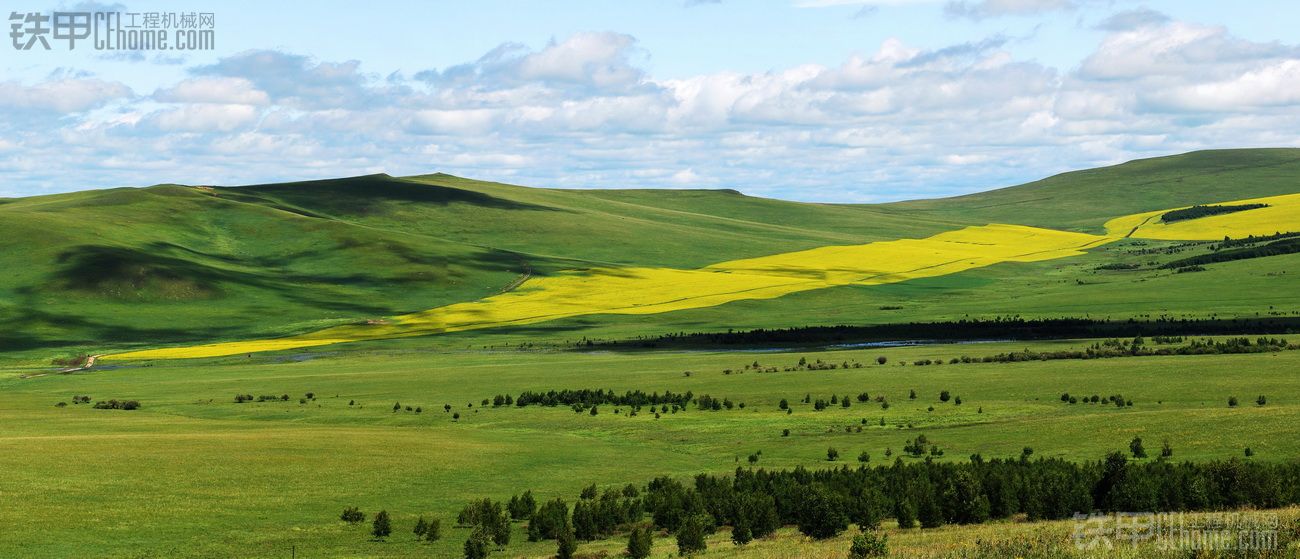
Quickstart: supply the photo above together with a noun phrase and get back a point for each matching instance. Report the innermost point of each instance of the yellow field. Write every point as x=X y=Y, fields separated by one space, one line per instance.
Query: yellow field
x=657 y=290
x=1282 y=215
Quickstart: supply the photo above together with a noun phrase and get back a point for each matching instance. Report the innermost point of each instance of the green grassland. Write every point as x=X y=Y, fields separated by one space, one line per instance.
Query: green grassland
x=92 y=272
x=193 y=474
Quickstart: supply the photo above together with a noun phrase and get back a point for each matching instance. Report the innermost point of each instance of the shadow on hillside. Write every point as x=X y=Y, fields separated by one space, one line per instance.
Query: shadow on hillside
x=371 y=195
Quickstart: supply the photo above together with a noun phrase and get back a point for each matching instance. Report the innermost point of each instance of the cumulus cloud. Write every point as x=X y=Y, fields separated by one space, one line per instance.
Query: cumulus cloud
x=62 y=94
x=214 y=90
x=895 y=121
x=584 y=61
x=297 y=80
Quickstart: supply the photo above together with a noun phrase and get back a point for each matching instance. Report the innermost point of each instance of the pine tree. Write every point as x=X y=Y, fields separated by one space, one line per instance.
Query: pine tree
x=690 y=536
x=420 y=527
x=566 y=545
x=639 y=542
x=382 y=526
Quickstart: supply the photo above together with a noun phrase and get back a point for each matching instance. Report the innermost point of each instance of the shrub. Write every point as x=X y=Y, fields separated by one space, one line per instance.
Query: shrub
x=420 y=527
x=117 y=405
x=690 y=536
x=1135 y=446
x=864 y=457
x=549 y=520
x=820 y=515
x=905 y=513
x=639 y=542
x=522 y=506
x=1232 y=401
x=433 y=531
x=566 y=545
x=476 y=547
x=352 y=515
x=869 y=544
x=1261 y=400
x=832 y=454
x=944 y=396
x=881 y=360
x=382 y=526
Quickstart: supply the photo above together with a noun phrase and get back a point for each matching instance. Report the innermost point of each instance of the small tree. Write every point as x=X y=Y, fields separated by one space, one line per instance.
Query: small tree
x=433 y=531
x=382 y=526
x=944 y=396
x=881 y=360
x=1261 y=400
x=864 y=457
x=1166 y=450
x=1232 y=401
x=476 y=547
x=639 y=542
x=832 y=454
x=905 y=513
x=420 y=527
x=352 y=515
x=1135 y=446
x=690 y=536
x=869 y=544
x=741 y=535
x=566 y=544
x=785 y=405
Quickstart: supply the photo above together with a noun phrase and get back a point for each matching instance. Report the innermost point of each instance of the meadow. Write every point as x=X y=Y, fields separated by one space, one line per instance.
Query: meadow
x=195 y=474
x=299 y=348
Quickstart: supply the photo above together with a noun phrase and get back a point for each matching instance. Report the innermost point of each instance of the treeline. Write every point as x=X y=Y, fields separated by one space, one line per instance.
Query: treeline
x=1137 y=348
x=1275 y=248
x=823 y=503
x=1012 y=328
x=1196 y=212
x=598 y=397
x=1229 y=242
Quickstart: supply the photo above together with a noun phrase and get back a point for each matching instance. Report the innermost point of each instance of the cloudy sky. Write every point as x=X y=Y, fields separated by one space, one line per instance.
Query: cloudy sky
x=818 y=100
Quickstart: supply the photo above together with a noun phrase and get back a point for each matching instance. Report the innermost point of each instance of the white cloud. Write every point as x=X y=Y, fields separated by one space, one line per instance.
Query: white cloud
x=63 y=95
x=982 y=9
x=897 y=121
x=214 y=90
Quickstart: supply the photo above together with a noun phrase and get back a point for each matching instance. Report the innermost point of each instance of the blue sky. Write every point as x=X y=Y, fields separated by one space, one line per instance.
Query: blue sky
x=819 y=100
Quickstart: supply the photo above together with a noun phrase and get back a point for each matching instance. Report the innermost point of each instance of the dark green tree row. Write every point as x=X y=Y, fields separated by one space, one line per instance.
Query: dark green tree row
x=588 y=397
x=1196 y=212
x=823 y=503
x=1015 y=328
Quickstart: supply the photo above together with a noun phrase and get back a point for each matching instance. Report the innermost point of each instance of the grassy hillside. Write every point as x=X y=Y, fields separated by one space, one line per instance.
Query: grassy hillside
x=168 y=264
x=1084 y=200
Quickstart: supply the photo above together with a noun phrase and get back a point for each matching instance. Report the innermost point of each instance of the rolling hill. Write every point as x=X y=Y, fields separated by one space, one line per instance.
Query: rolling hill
x=181 y=264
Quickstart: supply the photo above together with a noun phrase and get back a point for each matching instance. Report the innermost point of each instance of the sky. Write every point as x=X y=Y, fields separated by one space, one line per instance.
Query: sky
x=810 y=100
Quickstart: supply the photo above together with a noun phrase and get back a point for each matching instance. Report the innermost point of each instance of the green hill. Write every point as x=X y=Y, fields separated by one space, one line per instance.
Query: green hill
x=171 y=263
x=1084 y=200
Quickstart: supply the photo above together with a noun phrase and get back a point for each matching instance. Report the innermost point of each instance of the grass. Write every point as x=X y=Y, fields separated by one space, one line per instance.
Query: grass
x=114 y=270
x=194 y=474
x=642 y=291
